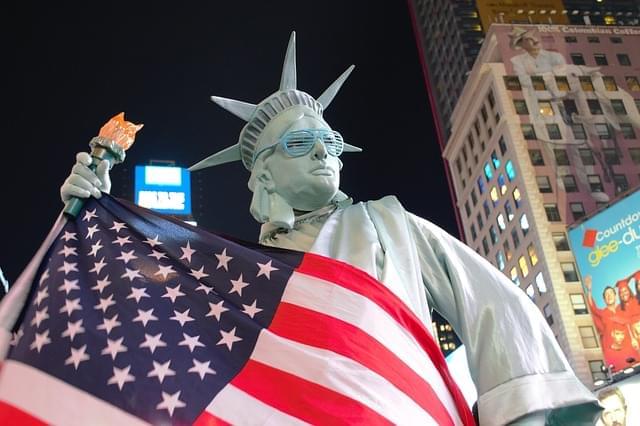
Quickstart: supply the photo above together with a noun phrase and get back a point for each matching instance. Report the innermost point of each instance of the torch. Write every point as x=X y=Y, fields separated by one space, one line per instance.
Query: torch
x=114 y=138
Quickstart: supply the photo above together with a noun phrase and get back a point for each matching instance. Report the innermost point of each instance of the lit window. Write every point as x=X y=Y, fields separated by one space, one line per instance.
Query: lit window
x=507 y=250
x=632 y=83
x=578 y=304
x=562 y=83
x=502 y=183
x=488 y=173
x=494 y=195
x=545 y=108
x=514 y=276
x=585 y=83
x=511 y=170
x=531 y=292
x=500 y=260
x=533 y=256
x=540 y=283
x=495 y=160
x=523 y=266
x=524 y=223
x=538 y=83
x=509 y=211
x=610 y=83
x=516 y=197
x=502 y=225
x=481 y=186
x=609 y=20
x=493 y=234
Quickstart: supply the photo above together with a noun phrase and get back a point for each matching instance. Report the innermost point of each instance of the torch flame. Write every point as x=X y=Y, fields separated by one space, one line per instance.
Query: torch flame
x=120 y=131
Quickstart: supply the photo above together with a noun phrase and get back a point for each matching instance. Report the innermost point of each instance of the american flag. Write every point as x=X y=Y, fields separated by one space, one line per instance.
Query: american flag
x=136 y=318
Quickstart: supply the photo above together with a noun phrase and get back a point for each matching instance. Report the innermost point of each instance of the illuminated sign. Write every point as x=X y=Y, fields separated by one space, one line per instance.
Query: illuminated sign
x=607 y=252
x=163 y=189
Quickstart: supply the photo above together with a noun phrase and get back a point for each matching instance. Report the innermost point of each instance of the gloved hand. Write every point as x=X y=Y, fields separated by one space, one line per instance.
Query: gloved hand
x=83 y=182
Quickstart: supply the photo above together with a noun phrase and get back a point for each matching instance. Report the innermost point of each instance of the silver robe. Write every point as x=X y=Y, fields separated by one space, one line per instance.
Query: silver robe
x=515 y=362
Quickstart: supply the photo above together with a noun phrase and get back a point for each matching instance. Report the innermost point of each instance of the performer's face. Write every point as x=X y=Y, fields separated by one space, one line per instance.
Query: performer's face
x=614 y=413
x=610 y=296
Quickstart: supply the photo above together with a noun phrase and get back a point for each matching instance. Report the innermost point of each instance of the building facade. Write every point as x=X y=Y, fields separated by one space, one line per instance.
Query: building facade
x=545 y=132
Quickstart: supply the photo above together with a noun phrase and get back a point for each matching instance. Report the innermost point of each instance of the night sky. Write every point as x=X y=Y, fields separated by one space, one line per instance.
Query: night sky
x=73 y=67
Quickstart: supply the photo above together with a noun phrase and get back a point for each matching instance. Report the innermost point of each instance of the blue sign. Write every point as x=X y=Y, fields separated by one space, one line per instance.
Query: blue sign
x=163 y=189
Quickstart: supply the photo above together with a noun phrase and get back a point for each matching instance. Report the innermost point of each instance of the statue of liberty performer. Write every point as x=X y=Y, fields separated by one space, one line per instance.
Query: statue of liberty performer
x=293 y=156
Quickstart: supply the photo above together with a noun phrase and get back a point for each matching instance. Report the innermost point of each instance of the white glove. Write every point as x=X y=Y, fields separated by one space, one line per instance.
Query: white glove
x=83 y=182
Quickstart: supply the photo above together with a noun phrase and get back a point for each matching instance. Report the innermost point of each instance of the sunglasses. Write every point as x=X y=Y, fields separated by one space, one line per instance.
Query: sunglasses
x=297 y=143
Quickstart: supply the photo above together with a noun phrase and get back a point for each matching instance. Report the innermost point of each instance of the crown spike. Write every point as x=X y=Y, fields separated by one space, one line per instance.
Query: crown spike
x=331 y=91
x=289 y=77
x=226 y=155
x=240 y=109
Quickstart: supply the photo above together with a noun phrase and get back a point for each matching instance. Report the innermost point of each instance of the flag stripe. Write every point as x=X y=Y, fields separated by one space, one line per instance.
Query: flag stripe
x=341 y=375
x=322 y=331
x=361 y=283
x=55 y=401
x=303 y=399
x=233 y=406
x=10 y=415
x=348 y=306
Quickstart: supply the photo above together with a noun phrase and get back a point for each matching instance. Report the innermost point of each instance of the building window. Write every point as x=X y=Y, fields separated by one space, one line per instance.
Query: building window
x=474 y=235
x=562 y=159
x=562 y=83
x=520 y=106
x=540 y=283
x=480 y=223
x=531 y=292
x=536 y=157
x=597 y=370
x=578 y=304
x=495 y=160
x=586 y=155
x=538 y=83
x=485 y=246
x=570 y=106
x=503 y=145
x=577 y=59
x=491 y=99
x=554 y=131
x=512 y=82
x=578 y=131
x=593 y=39
x=560 y=241
x=507 y=250
x=616 y=40
x=621 y=183
x=569 y=183
x=502 y=224
x=553 y=215
x=632 y=83
x=502 y=184
x=571 y=39
x=544 y=186
x=494 y=195
x=577 y=210
x=595 y=183
x=603 y=131
x=623 y=59
x=481 y=186
x=618 y=106
x=528 y=132
x=514 y=276
x=493 y=234
x=517 y=197
x=522 y=262
x=569 y=271
x=510 y=169
x=500 y=260
x=533 y=255
x=588 y=335
x=627 y=131
x=508 y=211
x=483 y=112
x=487 y=210
x=488 y=173
x=594 y=106
x=474 y=197
x=516 y=238
x=547 y=314
x=585 y=83
x=611 y=156
x=601 y=59
x=610 y=83
x=467 y=209
x=524 y=224
x=634 y=153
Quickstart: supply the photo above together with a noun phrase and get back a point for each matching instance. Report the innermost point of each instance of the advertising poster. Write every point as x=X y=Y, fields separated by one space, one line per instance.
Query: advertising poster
x=607 y=252
x=621 y=402
x=165 y=189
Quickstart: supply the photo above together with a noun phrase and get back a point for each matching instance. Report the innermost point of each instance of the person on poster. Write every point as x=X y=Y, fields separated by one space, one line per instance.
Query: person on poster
x=615 y=407
x=292 y=155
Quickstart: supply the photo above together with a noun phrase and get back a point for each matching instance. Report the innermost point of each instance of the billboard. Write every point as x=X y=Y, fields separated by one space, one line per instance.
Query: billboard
x=165 y=189
x=621 y=403
x=607 y=252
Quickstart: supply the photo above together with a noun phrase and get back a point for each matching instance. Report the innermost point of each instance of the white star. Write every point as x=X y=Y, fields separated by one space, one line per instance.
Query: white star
x=138 y=293
x=170 y=402
x=68 y=251
x=109 y=324
x=152 y=242
x=101 y=284
x=228 y=338
x=70 y=306
x=131 y=274
x=117 y=226
x=88 y=215
x=40 y=339
x=152 y=342
x=122 y=241
x=69 y=285
x=252 y=309
x=204 y=288
x=145 y=316
x=216 y=309
x=73 y=328
x=94 y=249
x=77 y=356
x=121 y=376
x=91 y=230
x=238 y=285
x=173 y=293
x=198 y=273
x=16 y=337
x=181 y=317
x=44 y=276
x=97 y=266
x=68 y=267
x=126 y=256
x=164 y=271
x=161 y=370
x=187 y=252
x=191 y=341
x=105 y=303
x=69 y=236
x=42 y=294
x=40 y=316
x=201 y=368
x=223 y=260
x=266 y=269
x=157 y=254
x=114 y=347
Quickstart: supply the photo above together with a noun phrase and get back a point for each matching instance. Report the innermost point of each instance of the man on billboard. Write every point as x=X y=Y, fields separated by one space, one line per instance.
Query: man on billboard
x=615 y=408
